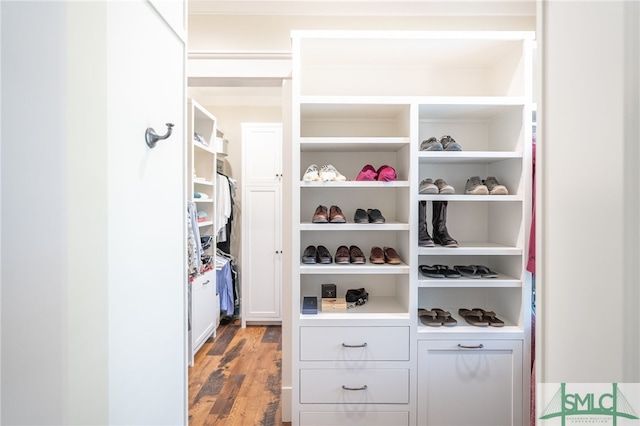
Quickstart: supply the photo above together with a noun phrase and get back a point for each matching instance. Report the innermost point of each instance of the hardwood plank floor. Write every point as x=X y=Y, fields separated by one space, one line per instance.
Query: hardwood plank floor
x=236 y=378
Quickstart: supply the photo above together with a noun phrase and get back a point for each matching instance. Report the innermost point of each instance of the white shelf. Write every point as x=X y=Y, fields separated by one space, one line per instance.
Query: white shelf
x=203 y=147
x=202 y=181
x=462 y=282
x=467 y=197
x=352 y=144
x=375 y=308
x=388 y=226
x=203 y=200
x=466 y=157
x=355 y=184
x=367 y=268
x=472 y=248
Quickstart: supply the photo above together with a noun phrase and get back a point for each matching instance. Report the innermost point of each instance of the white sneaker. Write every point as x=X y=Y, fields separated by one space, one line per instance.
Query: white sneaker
x=329 y=173
x=311 y=174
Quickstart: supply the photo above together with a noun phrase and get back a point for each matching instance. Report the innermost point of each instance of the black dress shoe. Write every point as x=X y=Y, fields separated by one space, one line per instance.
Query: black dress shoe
x=323 y=255
x=309 y=255
x=375 y=216
x=361 y=216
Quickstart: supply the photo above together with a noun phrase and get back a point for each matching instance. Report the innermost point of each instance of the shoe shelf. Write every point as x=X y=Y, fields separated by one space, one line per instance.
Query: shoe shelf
x=466 y=157
x=472 y=198
x=340 y=227
x=472 y=248
x=500 y=281
x=356 y=269
x=356 y=184
x=352 y=144
x=462 y=330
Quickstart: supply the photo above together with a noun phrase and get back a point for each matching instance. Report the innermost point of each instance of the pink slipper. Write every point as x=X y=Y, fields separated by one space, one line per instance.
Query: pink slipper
x=367 y=173
x=386 y=173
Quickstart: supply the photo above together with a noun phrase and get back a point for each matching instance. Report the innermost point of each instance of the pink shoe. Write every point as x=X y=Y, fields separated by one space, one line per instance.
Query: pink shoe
x=386 y=173
x=367 y=173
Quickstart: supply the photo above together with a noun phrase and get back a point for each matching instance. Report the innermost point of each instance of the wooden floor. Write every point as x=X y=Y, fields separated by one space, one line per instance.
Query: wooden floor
x=236 y=378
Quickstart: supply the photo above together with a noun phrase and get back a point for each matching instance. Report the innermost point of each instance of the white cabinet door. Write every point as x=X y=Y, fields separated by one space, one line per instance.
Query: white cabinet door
x=261 y=253
x=262 y=153
x=203 y=315
x=462 y=384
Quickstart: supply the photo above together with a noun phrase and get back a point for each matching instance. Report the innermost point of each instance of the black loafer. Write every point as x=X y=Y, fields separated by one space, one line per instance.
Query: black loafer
x=360 y=216
x=323 y=255
x=375 y=216
x=309 y=255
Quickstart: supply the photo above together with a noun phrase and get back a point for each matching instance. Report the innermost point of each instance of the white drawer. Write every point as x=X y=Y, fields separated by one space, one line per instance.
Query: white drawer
x=359 y=418
x=354 y=386
x=354 y=343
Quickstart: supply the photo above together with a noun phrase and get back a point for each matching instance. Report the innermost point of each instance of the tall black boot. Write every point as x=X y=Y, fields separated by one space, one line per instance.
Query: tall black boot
x=439 y=221
x=424 y=239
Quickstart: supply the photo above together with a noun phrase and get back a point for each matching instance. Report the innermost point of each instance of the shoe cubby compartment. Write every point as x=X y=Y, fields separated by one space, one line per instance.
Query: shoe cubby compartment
x=455 y=172
x=508 y=268
x=481 y=225
x=392 y=202
x=350 y=163
x=505 y=302
x=380 y=124
x=388 y=293
x=412 y=66
x=489 y=128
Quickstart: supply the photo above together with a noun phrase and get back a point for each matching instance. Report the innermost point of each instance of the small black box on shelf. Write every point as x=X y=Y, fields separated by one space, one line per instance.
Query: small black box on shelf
x=309 y=305
x=328 y=291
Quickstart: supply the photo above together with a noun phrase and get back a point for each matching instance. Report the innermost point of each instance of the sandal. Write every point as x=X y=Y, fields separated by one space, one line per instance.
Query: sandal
x=467 y=271
x=447 y=272
x=485 y=272
x=491 y=318
x=430 y=271
x=429 y=318
x=445 y=317
x=473 y=317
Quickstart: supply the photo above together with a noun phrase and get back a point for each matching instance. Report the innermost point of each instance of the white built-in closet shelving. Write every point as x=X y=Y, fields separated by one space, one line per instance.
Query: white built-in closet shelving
x=204 y=308
x=371 y=97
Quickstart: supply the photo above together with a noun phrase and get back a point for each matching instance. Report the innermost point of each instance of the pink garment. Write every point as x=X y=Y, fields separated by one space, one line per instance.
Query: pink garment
x=367 y=173
x=531 y=263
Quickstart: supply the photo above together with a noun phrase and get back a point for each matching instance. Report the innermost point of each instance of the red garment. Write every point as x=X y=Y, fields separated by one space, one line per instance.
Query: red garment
x=531 y=264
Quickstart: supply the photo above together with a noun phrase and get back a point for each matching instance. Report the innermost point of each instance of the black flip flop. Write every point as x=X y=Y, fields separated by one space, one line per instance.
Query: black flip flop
x=430 y=271
x=490 y=317
x=447 y=272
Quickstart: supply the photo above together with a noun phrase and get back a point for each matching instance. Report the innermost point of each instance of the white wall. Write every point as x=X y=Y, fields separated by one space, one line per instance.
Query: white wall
x=588 y=197
x=83 y=339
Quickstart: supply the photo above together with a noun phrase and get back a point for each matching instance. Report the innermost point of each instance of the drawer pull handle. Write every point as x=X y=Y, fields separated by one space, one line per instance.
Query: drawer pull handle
x=363 y=345
x=354 y=389
x=480 y=346
x=206 y=282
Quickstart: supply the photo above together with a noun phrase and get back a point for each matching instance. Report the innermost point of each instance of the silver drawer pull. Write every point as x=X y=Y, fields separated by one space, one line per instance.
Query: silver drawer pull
x=354 y=389
x=206 y=282
x=364 y=345
x=480 y=346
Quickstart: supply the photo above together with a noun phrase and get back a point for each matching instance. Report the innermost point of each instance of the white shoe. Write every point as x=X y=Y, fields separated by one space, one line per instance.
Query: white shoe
x=311 y=174
x=329 y=173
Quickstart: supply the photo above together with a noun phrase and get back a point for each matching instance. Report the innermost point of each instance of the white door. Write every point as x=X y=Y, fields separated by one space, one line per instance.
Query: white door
x=262 y=253
x=146 y=214
x=262 y=153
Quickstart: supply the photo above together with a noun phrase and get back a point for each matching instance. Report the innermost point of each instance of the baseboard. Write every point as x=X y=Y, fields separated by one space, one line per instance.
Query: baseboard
x=285 y=400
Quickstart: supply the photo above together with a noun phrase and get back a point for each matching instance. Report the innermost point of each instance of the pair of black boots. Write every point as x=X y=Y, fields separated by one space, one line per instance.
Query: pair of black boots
x=439 y=222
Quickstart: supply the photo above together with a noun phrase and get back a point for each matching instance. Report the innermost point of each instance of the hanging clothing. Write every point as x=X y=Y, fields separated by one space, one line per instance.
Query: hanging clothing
x=531 y=263
x=223 y=206
x=193 y=239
